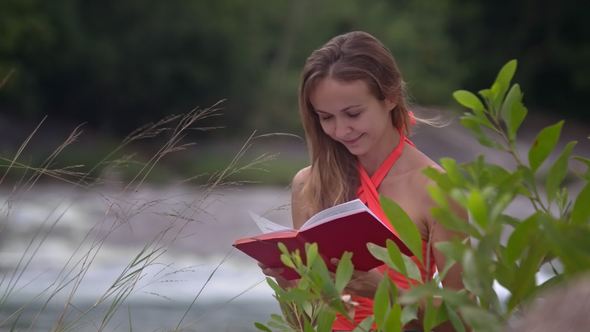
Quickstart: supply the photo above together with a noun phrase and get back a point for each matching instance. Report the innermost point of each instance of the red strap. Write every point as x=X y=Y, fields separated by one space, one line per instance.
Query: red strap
x=367 y=191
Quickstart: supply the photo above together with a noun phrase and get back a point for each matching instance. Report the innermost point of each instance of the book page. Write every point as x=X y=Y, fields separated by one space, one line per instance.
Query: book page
x=335 y=212
x=265 y=225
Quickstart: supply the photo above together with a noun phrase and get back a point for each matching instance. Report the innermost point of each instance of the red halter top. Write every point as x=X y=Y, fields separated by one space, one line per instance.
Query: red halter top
x=367 y=192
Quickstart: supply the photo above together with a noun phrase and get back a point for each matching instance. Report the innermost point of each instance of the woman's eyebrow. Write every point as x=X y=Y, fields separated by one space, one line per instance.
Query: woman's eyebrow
x=342 y=110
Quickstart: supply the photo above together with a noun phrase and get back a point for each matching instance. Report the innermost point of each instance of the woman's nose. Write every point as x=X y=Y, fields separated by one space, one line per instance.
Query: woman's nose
x=342 y=128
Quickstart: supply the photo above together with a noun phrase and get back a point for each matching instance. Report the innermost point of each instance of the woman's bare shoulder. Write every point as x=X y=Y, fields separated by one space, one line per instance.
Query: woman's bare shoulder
x=413 y=168
x=300 y=178
x=298 y=200
x=422 y=161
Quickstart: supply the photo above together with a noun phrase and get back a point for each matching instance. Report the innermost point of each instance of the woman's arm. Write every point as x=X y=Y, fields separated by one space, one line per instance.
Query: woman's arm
x=298 y=213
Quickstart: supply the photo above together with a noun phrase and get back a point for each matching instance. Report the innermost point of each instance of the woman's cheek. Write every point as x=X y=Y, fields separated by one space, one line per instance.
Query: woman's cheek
x=327 y=128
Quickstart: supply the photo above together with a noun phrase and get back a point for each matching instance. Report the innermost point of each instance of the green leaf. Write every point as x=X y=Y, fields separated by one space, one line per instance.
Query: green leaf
x=412 y=268
x=396 y=257
x=325 y=320
x=454 y=318
x=286 y=259
x=409 y=313
x=283 y=248
x=478 y=121
x=506 y=273
x=569 y=243
x=581 y=210
x=393 y=320
x=311 y=252
x=451 y=249
x=585 y=161
x=381 y=302
x=433 y=315
x=262 y=327
x=455 y=298
x=544 y=144
x=429 y=315
x=480 y=319
x=438 y=195
x=275 y=287
x=469 y=100
x=391 y=255
x=520 y=238
x=501 y=203
x=474 y=125
x=405 y=227
x=448 y=219
x=459 y=195
x=365 y=325
x=437 y=176
x=507 y=73
x=416 y=293
x=379 y=252
x=525 y=283
x=344 y=271
x=440 y=315
x=558 y=171
x=486 y=94
x=298 y=295
x=471 y=274
x=500 y=86
x=277 y=322
x=513 y=111
x=478 y=208
x=452 y=171
x=509 y=220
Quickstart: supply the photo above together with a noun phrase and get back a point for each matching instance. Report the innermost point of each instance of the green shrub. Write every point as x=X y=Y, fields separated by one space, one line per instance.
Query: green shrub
x=555 y=234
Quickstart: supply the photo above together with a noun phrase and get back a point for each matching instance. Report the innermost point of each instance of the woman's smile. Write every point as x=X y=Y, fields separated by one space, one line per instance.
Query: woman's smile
x=352 y=141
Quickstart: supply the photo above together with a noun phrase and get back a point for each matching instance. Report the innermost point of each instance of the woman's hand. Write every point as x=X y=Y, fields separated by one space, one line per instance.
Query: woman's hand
x=362 y=283
x=276 y=273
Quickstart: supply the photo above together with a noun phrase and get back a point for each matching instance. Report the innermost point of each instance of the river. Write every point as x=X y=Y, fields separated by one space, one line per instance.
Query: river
x=61 y=245
x=188 y=233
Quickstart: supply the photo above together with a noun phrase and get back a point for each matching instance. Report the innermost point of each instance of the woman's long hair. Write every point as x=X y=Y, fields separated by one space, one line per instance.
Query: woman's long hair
x=349 y=57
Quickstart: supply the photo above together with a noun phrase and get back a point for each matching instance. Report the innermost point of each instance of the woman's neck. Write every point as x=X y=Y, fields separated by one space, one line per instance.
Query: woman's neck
x=376 y=156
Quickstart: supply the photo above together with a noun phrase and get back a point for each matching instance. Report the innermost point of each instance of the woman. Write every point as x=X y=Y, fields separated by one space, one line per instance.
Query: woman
x=353 y=109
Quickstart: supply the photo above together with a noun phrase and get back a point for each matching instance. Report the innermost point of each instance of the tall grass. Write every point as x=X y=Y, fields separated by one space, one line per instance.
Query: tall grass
x=120 y=209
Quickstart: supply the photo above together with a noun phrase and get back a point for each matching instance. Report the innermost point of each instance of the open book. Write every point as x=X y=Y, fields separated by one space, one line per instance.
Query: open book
x=345 y=227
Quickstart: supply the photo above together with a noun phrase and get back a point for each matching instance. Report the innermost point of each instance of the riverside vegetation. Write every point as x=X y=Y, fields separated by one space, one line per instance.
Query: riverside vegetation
x=499 y=250
x=62 y=290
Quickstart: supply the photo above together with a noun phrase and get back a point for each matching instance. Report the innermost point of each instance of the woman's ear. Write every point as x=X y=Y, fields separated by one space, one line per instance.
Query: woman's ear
x=390 y=104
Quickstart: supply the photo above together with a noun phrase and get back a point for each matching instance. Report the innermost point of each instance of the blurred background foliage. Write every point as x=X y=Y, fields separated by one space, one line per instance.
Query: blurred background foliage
x=119 y=64
x=116 y=65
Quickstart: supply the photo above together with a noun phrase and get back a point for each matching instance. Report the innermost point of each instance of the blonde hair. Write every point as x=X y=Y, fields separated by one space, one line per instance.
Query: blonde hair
x=349 y=57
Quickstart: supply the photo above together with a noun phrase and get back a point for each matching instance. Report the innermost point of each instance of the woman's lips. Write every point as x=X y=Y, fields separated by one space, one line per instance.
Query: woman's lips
x=352 y=141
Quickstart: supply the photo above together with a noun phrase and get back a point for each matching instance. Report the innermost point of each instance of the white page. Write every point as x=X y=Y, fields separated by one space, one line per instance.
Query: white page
x=335 y=212
x=265 y=225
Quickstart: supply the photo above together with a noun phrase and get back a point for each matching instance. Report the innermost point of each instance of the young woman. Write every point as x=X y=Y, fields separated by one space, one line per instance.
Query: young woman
x=356 y=120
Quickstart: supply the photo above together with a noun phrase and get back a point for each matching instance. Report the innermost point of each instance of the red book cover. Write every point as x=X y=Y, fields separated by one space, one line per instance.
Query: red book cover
x=348 y=226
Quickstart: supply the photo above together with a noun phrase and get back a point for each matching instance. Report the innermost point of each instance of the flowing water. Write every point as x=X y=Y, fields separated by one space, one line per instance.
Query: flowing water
x=59 y=245
x=57 y=228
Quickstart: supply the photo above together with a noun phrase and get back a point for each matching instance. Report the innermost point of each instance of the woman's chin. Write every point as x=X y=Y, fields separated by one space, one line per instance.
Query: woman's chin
x=355 y=150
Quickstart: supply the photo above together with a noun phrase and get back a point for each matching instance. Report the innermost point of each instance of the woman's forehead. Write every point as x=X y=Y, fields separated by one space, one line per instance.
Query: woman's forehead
x=330 y=94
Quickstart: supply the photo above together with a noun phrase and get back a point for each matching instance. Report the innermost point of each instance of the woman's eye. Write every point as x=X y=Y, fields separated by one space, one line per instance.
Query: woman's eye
x=324 y=118
x=354 y=115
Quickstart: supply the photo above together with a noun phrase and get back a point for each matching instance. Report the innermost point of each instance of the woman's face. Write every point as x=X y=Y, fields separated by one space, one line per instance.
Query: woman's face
x=351 y=115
